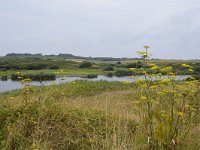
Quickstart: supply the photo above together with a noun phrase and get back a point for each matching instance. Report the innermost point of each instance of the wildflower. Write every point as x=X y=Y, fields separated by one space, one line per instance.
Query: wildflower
x=165 y=81
x=151 y=65
x=186 y=66
x=154 y=68
x=180 y=114
x=165 y=91
x=56 y=72
x=146 y=46
x=171 y=73
x=166 y=69
x=193 y=109
x=144 y=85
x=188 y=82
x=139 y=82
x=191 y=78
x=143 y=97
x=133 y=69
x=153 y=86
x=125 y=82
x=190 y=70
x=160 y=93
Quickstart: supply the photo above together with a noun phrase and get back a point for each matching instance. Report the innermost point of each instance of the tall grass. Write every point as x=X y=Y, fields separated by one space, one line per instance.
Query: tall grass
x=85 y=115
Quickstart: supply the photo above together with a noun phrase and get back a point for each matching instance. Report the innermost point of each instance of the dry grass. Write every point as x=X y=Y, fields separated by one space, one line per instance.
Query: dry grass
x=101 y=115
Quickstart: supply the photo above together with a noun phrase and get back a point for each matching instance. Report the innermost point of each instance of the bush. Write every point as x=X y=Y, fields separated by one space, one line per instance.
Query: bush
x=194 y=77
x=34 y=77
x=85 y=65
x=36 y=66
x=110 y=74
x=134 y=65
x=91 y=76
x=121 y=73
x=108 y=69
x=4 y=78
x=4 y=68
x=54 y=67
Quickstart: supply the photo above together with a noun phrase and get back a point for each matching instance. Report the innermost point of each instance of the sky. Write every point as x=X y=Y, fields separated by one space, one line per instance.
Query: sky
x=101 y=28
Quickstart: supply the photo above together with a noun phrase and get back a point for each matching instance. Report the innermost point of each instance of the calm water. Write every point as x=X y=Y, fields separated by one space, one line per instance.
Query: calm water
x=12 y=85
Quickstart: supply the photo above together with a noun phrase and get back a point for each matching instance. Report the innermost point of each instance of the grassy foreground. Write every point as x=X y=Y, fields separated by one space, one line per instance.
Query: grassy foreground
x=88 y=115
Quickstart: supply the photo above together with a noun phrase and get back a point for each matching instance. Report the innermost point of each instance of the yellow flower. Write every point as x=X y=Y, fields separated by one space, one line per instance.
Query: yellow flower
x=144 y=85
x=165 y=81
x=180 y=113
x=125 y=82
x=153 y=86
x=166 y=69
x=193 y=109
x=192 y=78
x=154 y=68
x=186 y=66
x=133 y=69
x=146 y=46
x=143 y=97
x=151 y=65
x=160 y=93
x=190 y=70
x=165 y=91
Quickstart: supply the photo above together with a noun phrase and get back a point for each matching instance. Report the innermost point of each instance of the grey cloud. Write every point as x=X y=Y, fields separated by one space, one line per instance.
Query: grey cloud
x=115 y=28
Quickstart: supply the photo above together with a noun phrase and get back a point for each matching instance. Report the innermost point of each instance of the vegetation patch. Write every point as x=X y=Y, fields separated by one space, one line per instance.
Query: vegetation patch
x=34 y=77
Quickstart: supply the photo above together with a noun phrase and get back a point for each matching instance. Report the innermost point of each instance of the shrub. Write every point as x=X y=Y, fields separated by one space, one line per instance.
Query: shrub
x=36 y=66
x=54 y=67
x=121 y=73
x=34 y=77
x=110 y=74
x=85 y=65
x=91 y=76
x=4 y=78
x=135 y=65
x=108 y=69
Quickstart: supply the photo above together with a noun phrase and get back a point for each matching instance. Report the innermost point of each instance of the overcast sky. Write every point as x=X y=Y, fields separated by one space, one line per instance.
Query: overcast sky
x=116 y=28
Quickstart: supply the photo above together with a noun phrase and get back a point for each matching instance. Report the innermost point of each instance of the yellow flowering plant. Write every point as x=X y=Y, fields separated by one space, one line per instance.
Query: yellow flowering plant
x=166 y=109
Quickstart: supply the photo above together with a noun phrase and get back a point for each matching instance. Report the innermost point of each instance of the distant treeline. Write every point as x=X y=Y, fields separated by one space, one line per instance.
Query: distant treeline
x=68 y=56
x=23 y=55
x=25 y=67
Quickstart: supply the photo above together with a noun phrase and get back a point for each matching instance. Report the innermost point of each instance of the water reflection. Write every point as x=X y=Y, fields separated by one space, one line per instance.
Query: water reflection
x=12 y=85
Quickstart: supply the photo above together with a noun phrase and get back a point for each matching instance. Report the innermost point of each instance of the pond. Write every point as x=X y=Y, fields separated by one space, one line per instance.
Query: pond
x=12 y=85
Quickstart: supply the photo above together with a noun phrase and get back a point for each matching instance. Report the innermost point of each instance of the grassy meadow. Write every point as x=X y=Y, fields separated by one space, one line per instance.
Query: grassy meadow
x=95 y=115
x=161 y=114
